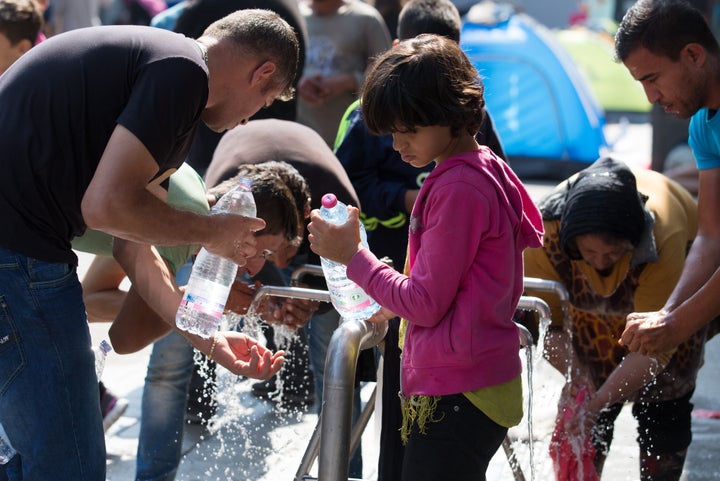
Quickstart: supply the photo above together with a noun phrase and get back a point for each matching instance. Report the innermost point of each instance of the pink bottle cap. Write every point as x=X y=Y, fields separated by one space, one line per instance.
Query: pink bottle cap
x=329 y=201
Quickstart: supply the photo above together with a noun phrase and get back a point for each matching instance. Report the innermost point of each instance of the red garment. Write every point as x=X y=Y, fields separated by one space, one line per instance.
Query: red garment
x=572 y=455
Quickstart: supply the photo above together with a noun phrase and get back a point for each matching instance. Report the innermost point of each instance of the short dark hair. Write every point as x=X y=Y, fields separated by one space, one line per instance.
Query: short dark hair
x=20 y=20
x=263 y=34
x=440 y=17
x=423 y=81
x=664 y=27
x=273 y=198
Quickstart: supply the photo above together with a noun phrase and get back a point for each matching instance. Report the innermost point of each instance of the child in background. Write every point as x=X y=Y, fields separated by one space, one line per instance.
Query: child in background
x=464 y=274
x=21 y=22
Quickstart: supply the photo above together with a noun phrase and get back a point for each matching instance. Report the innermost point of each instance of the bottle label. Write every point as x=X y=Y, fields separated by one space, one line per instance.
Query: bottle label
x=350 y=298
x=205 y=296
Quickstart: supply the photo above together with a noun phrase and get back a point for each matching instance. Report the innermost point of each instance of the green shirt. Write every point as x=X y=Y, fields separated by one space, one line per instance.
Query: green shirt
x=186 y=191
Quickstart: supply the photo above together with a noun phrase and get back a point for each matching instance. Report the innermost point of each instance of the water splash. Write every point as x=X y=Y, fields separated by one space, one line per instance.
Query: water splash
x=247 y=432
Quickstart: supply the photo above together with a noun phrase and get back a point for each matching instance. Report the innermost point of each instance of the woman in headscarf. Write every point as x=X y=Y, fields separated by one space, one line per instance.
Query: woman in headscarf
x=617 y=240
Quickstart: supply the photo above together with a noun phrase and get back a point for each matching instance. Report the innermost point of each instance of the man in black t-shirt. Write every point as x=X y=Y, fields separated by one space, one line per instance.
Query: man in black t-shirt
x=92 y=123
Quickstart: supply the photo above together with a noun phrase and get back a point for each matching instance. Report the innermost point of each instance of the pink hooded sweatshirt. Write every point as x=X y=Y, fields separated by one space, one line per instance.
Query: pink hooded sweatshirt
x=468 y=229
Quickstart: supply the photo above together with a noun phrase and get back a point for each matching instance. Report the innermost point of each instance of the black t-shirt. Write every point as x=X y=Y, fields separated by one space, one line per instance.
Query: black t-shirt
x=61 y=102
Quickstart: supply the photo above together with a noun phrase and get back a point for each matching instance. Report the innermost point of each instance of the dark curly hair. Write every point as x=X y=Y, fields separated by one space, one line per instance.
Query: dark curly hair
x=424 y=81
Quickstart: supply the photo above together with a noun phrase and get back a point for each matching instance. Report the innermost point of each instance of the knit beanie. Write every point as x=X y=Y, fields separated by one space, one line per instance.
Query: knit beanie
x=603 y=199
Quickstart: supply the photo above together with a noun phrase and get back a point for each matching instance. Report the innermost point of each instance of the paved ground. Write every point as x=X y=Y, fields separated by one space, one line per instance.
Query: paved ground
x=253 y=440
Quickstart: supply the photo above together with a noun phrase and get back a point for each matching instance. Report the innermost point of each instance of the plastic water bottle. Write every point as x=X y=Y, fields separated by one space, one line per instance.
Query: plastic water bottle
x=212 y=276
x=101 y=352
x=6 y=450
x=347 y=297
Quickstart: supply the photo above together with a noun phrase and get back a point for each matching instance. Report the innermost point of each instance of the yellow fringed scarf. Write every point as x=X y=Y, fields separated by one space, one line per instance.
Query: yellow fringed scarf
x=417 y=409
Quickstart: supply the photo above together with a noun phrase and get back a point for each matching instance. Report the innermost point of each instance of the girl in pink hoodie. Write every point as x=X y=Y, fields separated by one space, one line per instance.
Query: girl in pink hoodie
x=464 y=274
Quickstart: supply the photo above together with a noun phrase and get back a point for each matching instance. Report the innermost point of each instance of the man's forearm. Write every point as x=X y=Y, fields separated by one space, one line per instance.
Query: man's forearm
x=700 y=266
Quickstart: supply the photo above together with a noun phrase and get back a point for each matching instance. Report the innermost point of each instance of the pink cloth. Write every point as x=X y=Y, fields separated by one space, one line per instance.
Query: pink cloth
x=572 y=455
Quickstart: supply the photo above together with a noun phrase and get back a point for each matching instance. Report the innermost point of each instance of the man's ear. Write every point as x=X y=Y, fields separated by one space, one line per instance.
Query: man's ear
x=263 y=73
x=694 y=52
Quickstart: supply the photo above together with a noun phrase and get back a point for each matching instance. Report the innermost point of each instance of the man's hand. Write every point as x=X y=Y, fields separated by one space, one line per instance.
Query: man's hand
x=293 y=313
x=652 y=333
x=241 y=296
x=234 y=236
x=243 y=355
x=310 y=89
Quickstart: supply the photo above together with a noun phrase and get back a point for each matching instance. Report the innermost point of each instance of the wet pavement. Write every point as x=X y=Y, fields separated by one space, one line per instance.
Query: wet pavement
x=251 y=439
x=254 y=440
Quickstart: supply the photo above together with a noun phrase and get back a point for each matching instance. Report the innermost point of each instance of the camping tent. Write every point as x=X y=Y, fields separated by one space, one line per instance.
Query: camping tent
x=547 y=118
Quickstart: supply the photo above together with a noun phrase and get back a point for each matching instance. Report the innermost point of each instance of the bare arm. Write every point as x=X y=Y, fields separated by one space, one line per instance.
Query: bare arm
x=694 y=301
x=118 y=202
x=632 y=373
x=101 y=289
x=156 y=286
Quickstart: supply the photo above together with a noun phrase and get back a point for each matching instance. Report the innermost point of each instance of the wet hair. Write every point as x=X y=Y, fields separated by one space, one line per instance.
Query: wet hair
x=295 y=182
x=299 y=189
x=440 y=17
x=20 y=20
x=664 y=27
x=424 y=81
x=273 y=198
x=265 y=35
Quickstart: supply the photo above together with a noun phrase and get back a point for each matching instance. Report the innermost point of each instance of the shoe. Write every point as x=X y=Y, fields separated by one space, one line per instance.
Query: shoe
x=112 y=407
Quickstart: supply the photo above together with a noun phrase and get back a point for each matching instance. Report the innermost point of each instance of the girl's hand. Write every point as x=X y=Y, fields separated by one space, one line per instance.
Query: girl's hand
x=338 y=243
x=382 y=315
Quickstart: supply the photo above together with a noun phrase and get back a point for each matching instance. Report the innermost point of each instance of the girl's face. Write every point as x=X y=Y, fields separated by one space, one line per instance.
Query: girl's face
x=424 y=145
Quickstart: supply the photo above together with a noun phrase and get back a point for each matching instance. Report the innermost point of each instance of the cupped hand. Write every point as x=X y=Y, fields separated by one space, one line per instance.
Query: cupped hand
x=245 y=356
x=651 y=333
x=241 y=296
x=291 y=312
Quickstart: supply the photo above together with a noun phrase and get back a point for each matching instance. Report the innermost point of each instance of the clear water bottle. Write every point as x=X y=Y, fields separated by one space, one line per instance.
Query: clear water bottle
x=347 y=297
x=6 y=450
x=101 y=352
x=212 y=276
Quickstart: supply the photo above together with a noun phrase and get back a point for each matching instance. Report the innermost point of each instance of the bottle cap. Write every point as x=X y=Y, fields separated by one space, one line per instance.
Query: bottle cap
x=329 y=201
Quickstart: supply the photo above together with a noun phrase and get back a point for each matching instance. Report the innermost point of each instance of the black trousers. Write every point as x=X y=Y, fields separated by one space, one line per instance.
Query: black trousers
x=458 y=447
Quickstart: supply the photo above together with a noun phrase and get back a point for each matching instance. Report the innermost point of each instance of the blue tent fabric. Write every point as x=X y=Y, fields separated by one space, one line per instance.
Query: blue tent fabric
x=545 y=113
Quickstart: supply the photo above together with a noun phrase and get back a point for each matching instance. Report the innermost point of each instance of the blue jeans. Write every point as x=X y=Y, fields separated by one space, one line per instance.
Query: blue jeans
x=164 y=401
x=319 y=331
x=49 y=403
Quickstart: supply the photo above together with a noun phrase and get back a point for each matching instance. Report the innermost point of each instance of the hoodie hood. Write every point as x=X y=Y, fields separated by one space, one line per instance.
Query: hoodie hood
x=508 y=187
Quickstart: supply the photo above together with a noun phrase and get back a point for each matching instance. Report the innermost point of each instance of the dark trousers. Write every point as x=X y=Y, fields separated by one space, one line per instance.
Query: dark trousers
x=459 y=446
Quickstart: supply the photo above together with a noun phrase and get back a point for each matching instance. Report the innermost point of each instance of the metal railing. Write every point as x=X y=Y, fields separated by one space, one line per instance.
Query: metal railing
x=334 y=440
